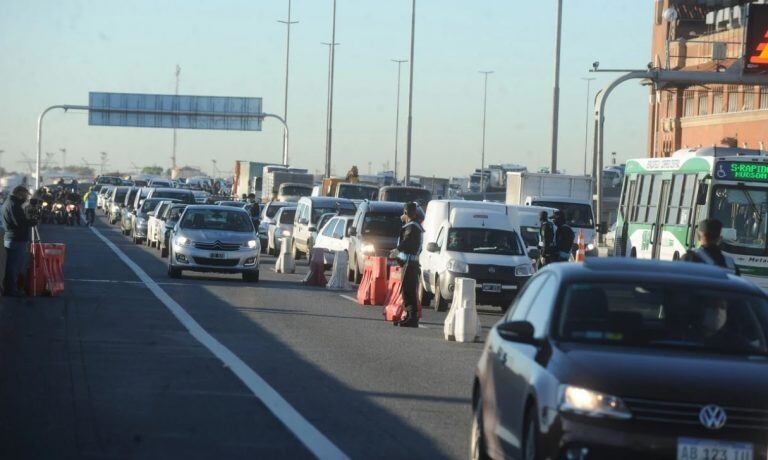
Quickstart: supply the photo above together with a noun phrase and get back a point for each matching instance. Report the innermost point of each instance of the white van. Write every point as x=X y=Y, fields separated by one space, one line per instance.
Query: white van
x=482 y=243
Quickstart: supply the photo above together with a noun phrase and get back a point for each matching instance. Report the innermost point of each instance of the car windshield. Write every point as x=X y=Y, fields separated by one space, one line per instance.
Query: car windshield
x=217 y=219
x=131 y=197
x=296 y=191
x=744 y=214
x=358 y=192
x=530 y=235
x=272 y=209
x=181 y=195
x=149 y=205
x=382 y=224
x=175 y=212
x=404 y=195
x=576 y=214
x=484 y=241
x=120 y=195
x=287 y=216
x=664 y=316
x=342 y=210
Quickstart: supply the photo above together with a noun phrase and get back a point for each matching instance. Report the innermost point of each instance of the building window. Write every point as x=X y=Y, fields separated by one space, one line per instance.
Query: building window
x=670 y=112
x=763 y=97
x=749 y=98
x=703 y=103
x=733 y=98
x=688 y=103
x=717 y=101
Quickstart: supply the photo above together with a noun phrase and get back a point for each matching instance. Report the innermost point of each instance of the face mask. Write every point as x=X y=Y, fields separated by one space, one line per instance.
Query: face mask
x=403 y=219
x=714 y=319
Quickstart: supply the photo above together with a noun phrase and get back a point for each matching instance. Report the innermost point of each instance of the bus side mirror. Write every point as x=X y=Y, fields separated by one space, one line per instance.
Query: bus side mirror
x=701 y=196
x=602 y=228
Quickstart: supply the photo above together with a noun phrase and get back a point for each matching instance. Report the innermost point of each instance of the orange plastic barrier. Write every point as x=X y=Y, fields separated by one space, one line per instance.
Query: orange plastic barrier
x=580 y=253
x=46 y=269
x=394 y=307
x=373 y=287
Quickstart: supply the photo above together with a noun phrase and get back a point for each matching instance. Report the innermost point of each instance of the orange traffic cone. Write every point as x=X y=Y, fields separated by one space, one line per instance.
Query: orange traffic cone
x=580 y=253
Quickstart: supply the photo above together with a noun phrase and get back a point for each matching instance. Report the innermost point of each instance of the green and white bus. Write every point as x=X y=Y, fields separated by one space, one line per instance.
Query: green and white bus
x=663 y=199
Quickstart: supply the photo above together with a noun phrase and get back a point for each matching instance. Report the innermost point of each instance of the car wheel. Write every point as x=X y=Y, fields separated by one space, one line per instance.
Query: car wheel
x=531 y=435
x=295 y=252
x=441 y=304
x=270 y=251
x=350 y=272
x=477 y=448
x=164 y=251
x=133 y=236
x=251 y=276
x=425 y=297
x=173 y=272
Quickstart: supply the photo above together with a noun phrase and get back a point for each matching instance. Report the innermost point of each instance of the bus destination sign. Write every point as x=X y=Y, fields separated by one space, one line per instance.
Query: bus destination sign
x=742 y=171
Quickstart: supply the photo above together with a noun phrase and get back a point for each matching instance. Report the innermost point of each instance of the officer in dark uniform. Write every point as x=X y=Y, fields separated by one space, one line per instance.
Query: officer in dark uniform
x=407 y=253
x=564 y=237
x=547 y=247
x=709 y=250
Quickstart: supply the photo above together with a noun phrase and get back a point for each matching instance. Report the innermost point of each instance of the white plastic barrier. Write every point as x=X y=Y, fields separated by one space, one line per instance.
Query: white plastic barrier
x=339 y=281
x=462 y=323
x=285 y=262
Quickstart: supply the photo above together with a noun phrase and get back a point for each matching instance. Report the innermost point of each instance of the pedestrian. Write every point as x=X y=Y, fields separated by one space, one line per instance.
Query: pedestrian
x=18 y=229
x=709 y=252
x=547 y=246
x=564 y=237
x=89 y=202
x=407 y=254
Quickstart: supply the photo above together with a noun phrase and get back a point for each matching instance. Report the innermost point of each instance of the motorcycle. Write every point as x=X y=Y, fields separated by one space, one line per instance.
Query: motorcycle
x=59 y=213
x=73 y=214
x=46 y=213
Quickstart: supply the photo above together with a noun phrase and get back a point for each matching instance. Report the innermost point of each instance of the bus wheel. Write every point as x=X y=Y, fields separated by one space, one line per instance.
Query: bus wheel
x=633 y=254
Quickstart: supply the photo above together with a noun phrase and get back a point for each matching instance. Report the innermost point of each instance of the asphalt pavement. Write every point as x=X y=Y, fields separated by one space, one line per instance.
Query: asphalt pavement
x=108 y=370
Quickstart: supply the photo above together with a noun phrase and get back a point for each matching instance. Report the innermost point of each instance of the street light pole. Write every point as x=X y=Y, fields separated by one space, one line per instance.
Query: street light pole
x=556 y=90
x=485 y=111
x=63 y=158
x=397 y=113
x=173 y=154
x=586 y=122
x=410 y=99
x=331 y=64
x=288 y=24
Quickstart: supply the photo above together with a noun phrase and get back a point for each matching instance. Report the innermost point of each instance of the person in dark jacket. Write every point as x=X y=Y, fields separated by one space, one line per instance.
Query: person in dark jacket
x=547 y=247
x=18 y=229
x=709 y=250
x=564 y=237
x=407 y=252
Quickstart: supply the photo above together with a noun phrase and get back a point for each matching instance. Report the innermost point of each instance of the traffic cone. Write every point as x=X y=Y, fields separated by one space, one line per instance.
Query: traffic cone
x=580 y=253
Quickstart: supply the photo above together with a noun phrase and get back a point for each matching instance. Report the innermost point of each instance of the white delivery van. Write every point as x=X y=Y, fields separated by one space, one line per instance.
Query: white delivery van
x=477 y=243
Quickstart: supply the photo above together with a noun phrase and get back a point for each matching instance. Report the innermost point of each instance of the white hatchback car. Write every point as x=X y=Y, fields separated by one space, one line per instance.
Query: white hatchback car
x=280 y=226
x=332 y=237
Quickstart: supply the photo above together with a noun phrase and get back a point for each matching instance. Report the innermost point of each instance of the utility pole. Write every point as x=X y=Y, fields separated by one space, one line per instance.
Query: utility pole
x=173 y=155
x=1 y=158
x=63 y=158
x=397 y=113
x=103 y=162
x=485 y=111
x=214 y=169
x=331 y=64
x=556 y=90
x=410 y=99
x=586 y=122
x=288 y=24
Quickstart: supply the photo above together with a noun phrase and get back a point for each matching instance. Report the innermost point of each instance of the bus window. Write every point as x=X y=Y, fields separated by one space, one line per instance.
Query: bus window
x=674 y=201
x=655 y=198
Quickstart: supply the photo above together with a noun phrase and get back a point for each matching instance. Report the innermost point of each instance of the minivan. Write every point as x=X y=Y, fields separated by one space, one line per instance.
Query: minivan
x=374 y=232
x=309 y=210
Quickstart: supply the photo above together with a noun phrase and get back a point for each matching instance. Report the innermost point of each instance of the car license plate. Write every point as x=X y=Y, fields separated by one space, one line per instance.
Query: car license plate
x=492 y=287
x=702 y=449
x=218 y=255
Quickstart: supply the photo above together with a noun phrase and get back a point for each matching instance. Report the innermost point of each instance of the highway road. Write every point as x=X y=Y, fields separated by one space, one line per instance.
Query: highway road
x=108 y=370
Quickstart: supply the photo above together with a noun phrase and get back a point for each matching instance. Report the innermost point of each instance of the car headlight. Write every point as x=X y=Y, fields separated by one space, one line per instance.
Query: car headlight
x=592 y=403
x=250 y=244
x=524 y=270
x=286 y=233
x=183 y=241
x=368 y=249
x=457 y=266
x=590 y=247
x=141 y=222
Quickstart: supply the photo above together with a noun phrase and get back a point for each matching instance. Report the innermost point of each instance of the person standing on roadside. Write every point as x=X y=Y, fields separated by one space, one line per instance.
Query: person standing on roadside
x=18 y=229
x=564 y=237
x=407 y=255
x=547 y=247
x=709 y=252
x=89 y=203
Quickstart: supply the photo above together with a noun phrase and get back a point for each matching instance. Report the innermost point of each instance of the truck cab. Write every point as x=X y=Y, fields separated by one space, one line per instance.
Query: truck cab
x=578 y=215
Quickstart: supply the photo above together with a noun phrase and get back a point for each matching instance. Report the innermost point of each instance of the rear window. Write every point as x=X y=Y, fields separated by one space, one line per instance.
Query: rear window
x=382 y=224
x=296 y=191
x=404 y=195
x=149 y=205
x=343 y=209
x=183 y=196
x=287 y=216
x=272 y=209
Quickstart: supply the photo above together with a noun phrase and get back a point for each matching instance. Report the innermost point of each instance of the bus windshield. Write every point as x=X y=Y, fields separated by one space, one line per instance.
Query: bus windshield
x=576 y=214
x=744 y=214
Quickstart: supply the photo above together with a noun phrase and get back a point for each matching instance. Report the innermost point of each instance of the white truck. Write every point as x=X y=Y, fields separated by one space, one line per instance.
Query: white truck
x=570 y=194
x=248 y=177
x=274 y=177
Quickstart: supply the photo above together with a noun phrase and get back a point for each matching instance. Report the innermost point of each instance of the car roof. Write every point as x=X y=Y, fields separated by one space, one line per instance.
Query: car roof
x=619 y=269
x=385 y=206
x=214 y=207
x=327 y=200
x=170 y=189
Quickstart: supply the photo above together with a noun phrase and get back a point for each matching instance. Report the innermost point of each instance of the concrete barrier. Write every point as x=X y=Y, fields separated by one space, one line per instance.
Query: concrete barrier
x=285 y=262
x=462 y=323
x=339 y=281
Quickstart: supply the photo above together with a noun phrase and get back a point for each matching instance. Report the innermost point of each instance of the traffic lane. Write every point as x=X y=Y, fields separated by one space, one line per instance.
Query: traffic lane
x=355 y=376
x=132 y=381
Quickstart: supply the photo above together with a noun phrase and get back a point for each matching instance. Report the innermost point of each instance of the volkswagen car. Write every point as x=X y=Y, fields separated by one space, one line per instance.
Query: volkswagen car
x=214 y=239
x=625 y=359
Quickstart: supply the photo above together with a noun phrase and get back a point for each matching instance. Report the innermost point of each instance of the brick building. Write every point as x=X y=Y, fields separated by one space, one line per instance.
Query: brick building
x=704 y=35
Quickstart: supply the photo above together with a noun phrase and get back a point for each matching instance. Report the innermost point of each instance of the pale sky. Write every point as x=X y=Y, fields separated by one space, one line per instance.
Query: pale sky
x=56 y=51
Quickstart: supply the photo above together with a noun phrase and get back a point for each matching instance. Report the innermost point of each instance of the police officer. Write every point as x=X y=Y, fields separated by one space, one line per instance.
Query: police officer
x=564 y=237
x=407 y=253
x=547 y=247
x=18 y=230
x=89 y=201
x=709 y=250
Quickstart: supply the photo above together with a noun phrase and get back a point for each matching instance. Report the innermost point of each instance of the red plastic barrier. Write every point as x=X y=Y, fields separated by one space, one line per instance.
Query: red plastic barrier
x=394 y=306
x=46 y=269
x=373 y=287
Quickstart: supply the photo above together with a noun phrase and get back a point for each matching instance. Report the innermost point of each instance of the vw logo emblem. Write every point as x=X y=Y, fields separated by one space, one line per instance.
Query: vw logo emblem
x=712 y=417
x=491 y=270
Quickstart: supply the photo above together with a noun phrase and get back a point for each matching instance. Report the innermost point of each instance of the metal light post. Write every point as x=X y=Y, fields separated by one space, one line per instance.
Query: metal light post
x=586 y=122
x=331 y=64
x=410 y=99
x=288 y=24
x=103 y=162
x=556 y=90
x=397 y=113
x=63 y=158
x=173 y=154
x=485 y=111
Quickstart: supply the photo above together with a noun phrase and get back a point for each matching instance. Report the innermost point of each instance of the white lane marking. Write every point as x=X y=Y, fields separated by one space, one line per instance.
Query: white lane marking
x=348 y=297
x=315 y=441
x=421 y=326
x=78 y=280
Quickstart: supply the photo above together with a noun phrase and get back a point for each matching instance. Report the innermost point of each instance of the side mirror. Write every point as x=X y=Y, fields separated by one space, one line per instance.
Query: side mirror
x=351 y=231
x=517 y=331
x=433 y=247
x=701 y=196
x=133 y=211
x=534 y=253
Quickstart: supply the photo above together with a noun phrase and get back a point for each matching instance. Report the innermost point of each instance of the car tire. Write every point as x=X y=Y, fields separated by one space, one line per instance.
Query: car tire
x=531 y=447
x=425 y=296
x=251 y=276
x=441 y=304
x=477 y=447
x=173 y=272
x=164 y=252
x=350 y=272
